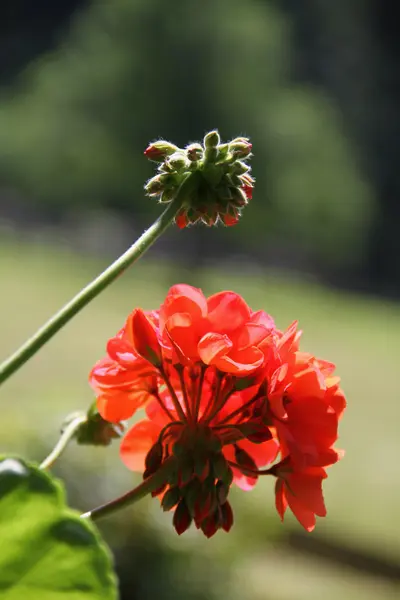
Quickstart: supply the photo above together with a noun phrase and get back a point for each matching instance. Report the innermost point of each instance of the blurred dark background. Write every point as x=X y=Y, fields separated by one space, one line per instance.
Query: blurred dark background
x=84 y=86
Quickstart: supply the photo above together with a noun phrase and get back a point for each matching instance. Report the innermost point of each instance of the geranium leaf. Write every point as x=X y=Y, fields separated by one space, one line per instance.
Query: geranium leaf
x=47 y=552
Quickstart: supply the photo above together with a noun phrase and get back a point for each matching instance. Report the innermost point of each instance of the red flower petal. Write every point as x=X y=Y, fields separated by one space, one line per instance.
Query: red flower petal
x=240 y=362
x=121 y=405
x=307 y=489
x=250 y=334
x=262 y=318
x=184 y=298
x=180 y=337
x=123 y=353
x=335 y=398
x=227 y=311
x=280 y=498
x=136 y=444
x=145 y=338
x=212 y=346
x=309 y=382
x=289 y=342
x=305 y=517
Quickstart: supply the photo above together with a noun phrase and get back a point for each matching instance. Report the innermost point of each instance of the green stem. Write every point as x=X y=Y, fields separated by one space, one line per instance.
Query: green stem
x=63 y=442
x=45 y=333
x=149 y=485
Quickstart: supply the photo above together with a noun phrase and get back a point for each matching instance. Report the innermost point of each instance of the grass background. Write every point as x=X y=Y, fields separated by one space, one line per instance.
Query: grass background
x=361 y=335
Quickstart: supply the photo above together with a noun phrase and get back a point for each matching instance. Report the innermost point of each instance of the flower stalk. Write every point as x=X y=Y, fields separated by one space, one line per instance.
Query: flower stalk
x=149 y=485
x=93 y=289
x=67 y=435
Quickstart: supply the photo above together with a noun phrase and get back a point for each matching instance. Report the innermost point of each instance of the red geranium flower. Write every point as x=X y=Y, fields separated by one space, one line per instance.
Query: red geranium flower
x=301 y=491
x=224 y=393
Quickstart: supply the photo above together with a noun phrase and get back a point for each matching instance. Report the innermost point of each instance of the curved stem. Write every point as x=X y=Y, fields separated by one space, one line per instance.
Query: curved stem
x=151 y=484
x=63 y=442
x=45 y=333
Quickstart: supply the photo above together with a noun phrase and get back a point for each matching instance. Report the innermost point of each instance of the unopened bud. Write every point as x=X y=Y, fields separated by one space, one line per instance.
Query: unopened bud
x=194 y=152
x=221 y=469
x=222 y=492
x=182 y=518
x=167 y=196
x=158 y=151
x=247 y=179
x=154 y=458
x=210 y=525
x=171 y=498
x=235 y=180
x=185 y=472
x=95 y=431
x=239 y=198
x=239 y=167
x=212 y=139
x=226 y=517
x=178 y=161
x=145 y=338
x=231 y=216
x=192 y=493
x=211 y=179
x=155 y=185
x=240 y=148
x=248 y=191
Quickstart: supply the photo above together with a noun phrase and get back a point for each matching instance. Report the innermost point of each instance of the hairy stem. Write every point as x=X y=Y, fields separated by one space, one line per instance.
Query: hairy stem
x=93 y=289
x=63 y=442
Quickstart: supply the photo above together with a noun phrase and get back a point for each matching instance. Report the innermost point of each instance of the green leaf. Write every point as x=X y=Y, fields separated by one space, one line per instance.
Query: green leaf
x=47 y=552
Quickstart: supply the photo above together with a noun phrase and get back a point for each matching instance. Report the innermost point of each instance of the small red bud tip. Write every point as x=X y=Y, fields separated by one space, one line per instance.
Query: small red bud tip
x=158 y=151
x=153 y=153
x=230 y=220
x=145 y=338
x=248 y=190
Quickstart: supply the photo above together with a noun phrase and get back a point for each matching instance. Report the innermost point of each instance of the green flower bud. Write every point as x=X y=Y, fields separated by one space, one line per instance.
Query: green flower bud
x=158 y=151
x=194 y=151
x=211 y=139
x=155 y=186
x=239 y=168
x=178 y=161
x=95 y=431
x=240 y=147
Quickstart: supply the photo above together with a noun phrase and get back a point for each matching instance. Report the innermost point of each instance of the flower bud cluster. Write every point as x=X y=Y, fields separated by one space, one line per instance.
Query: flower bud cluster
x=213 y=177
x=197 y=487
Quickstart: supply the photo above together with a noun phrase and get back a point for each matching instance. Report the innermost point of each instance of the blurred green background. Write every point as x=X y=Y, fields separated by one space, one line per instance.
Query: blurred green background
x=84 y=87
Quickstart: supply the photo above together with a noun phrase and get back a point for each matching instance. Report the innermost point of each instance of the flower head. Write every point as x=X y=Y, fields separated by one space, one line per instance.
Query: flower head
x=226 y=395
x=215 y=176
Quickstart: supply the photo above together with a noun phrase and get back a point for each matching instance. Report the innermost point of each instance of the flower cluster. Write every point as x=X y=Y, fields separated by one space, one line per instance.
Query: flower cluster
x=227 y=398
x=214 y=177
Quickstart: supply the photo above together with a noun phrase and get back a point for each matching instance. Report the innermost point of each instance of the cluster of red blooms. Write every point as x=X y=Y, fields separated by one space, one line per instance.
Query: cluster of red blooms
x=228 y=398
